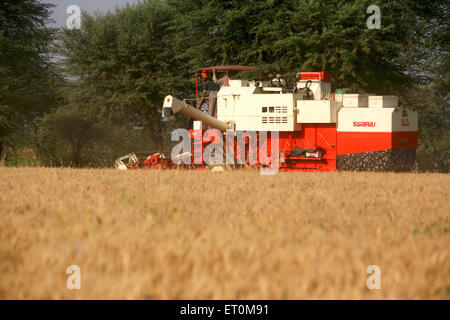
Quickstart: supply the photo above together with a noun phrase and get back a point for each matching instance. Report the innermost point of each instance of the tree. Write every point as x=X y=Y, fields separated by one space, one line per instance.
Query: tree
x=430 y=95
x=294 y=35
x=26 y=82
x=64 y=133
x=125 y=65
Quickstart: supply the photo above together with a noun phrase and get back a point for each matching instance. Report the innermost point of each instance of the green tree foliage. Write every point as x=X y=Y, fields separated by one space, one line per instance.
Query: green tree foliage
x=430 y=95
x=294 y=35
x=71 y=136
x=125 y=65
x=65 y=133
x=26 y=83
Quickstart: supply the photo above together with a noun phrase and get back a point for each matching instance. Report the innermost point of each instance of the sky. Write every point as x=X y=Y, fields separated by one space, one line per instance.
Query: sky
x=60 y=15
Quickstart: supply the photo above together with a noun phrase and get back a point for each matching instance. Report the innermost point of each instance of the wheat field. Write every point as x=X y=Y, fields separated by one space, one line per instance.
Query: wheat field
x=222 y=235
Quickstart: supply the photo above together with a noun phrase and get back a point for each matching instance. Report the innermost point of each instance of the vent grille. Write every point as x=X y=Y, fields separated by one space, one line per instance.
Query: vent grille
x=281 y=109
x=272 y=120
x=274 y=109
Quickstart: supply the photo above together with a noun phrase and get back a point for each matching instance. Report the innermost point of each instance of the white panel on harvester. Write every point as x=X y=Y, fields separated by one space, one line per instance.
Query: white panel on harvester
x=377 y=120
x=383 y=101
x=316 y=111
x=355 y=100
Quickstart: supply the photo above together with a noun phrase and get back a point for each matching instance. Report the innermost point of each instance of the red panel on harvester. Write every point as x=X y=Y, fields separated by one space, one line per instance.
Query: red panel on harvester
x=310 y=136
x=325 y=76
x=405 y=140
x=357 y=142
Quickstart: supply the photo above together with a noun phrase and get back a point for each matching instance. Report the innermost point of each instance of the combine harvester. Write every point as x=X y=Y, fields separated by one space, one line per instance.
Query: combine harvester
x=318 y=130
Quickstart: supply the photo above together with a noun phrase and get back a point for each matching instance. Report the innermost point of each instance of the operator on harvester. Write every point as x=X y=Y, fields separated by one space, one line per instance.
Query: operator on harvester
x=213 y=87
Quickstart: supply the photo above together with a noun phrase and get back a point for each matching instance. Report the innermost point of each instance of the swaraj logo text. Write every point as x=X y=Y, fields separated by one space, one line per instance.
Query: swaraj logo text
x=364 y=124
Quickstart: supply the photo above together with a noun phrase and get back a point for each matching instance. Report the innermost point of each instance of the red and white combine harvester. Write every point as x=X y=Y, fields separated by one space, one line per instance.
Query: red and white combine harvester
x=318 y=130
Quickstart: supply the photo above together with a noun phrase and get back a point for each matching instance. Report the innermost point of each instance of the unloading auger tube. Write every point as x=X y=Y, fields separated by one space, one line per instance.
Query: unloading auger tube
x=175 y=105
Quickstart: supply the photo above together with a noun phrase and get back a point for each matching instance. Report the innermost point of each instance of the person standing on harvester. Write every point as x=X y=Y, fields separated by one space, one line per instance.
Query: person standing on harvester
x=213 y=88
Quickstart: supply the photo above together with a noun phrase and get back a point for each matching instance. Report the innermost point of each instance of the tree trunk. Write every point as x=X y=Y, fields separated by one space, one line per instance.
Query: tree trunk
x=76 y=152
x=2 y=154
x=159 y=144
